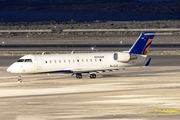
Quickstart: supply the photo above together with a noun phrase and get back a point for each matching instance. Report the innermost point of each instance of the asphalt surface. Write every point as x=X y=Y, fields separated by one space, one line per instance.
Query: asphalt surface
x=80 y=47
x=124 y=95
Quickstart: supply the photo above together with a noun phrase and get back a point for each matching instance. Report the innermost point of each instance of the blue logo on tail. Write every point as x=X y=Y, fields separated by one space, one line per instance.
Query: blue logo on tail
x=143 y=43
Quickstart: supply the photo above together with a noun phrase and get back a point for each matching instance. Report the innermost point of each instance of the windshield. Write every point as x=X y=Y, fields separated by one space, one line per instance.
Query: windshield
x=20 y=60
x=24 y=60
x=28 y=60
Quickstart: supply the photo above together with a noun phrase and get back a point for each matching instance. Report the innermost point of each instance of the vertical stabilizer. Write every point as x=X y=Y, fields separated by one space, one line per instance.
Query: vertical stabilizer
x=142 y=44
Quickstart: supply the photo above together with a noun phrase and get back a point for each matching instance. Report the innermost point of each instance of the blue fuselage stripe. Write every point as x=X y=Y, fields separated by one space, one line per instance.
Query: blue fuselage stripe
x=60 y=71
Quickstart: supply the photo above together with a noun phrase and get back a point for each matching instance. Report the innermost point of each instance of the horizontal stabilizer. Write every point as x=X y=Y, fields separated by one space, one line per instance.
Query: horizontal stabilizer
x=148 y=62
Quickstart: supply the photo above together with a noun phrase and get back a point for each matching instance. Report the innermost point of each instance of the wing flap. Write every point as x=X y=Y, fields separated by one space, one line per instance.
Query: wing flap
x=96 y=70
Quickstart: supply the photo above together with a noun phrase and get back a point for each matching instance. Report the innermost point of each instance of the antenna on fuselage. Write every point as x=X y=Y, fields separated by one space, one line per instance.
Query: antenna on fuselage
x=72 y=52
x=43 y=53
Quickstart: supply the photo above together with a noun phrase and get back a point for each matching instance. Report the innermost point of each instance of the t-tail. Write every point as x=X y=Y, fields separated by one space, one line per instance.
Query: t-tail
x=142 y=44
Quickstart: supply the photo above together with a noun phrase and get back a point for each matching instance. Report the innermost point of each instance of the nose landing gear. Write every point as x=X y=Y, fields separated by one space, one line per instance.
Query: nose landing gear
x=20 y=78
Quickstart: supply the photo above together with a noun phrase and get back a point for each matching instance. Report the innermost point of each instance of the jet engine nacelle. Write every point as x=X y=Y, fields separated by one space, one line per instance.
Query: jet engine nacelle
x=122 y=57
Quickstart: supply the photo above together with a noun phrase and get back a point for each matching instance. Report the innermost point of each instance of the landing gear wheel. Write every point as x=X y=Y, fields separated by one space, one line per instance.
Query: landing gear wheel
x=92 y=76
x=19 y=78
x=78 y=75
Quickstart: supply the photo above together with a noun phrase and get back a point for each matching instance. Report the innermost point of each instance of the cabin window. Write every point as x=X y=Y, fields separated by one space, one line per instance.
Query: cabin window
x=95 y=60
x=64 y=61
x=50 y=61
x=91 y=60
x=77 y=60
x=82 y=60
x=54 y=61
x=86 y=60
x=46 y=61
x=59 y=61
x=69 y=61
x=99 y=59
x=73 y=60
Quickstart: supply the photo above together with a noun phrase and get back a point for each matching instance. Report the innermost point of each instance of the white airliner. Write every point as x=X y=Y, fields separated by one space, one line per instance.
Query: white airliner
x=78 y=63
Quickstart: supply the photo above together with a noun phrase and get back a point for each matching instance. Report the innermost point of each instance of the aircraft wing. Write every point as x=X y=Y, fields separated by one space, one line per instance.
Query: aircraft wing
x=101 y=70
x=93 y=70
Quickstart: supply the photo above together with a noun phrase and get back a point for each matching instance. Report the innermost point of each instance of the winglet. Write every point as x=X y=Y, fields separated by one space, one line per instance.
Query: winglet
x=148 y=62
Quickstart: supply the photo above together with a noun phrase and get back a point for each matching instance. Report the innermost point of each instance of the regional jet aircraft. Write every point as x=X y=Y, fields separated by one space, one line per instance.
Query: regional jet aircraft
x=80 y=63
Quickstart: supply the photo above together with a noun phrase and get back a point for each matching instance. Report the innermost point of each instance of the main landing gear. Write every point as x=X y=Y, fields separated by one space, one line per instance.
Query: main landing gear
x=78 y=75
x=19 y=78
x=92 y=76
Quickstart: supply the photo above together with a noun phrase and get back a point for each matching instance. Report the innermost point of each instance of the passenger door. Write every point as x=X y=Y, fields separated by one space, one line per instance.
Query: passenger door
x=39 y=62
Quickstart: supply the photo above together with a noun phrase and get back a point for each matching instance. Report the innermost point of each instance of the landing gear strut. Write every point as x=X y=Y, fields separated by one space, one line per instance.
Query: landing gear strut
x=92 y=76
x=78 y=75
x=19 y=78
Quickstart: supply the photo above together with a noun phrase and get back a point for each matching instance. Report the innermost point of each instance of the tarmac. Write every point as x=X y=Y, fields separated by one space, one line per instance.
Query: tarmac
x=84 y=39
x=83 y=47
x=132 y=94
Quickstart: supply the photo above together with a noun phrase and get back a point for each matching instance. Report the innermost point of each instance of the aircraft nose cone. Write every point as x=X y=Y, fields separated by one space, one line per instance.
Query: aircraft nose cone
x=9 y=69
x=15 y=68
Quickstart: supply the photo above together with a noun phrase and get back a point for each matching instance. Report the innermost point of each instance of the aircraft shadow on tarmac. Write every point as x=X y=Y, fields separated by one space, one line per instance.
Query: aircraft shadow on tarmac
x=135 y=75
x=138 y=74
x=133 y=116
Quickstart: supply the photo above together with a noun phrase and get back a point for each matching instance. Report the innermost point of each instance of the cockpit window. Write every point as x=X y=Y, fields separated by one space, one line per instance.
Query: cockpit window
x=24 y=60
x=28 y=60
x=20 y=60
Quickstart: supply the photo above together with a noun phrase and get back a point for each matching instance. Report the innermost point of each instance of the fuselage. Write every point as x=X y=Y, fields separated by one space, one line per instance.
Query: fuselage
x=67 y=63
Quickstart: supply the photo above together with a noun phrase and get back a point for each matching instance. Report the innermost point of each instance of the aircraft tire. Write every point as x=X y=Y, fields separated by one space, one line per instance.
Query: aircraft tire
x=93 y=76
x=19 y=80
x=78 y=75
